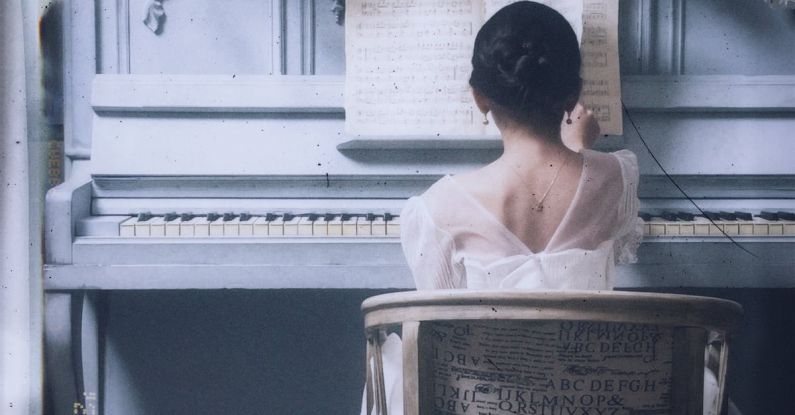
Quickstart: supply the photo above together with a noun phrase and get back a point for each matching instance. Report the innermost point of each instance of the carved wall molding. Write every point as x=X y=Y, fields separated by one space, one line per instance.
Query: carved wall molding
x=308 y=33
x=339 y=11
x=154 y=15
x=123 y=36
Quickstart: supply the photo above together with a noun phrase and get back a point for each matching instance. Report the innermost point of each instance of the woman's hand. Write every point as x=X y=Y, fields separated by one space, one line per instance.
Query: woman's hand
x=583 y=130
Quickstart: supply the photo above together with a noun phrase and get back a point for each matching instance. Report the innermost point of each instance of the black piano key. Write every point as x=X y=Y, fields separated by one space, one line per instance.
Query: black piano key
x=370 y=217
x=288 y=217
x=645 y=216
x=245 y=216
x=785 y=215
x=345 y=217
x=328 y=217
x=186 y=217
x=669 y=216
x=212 y=217
x=713 y=216
x=229 y=216
x=168 y=217
x=271 y=217
x=768 y=215
x=685 y=216
x=145 y=216
x=743 y=215
x=388 y=216
x=727 y=215
x=312 y=217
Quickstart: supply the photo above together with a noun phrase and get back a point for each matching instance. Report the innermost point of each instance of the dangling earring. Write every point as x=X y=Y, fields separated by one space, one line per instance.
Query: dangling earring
x=485 y=118
x=568 y=117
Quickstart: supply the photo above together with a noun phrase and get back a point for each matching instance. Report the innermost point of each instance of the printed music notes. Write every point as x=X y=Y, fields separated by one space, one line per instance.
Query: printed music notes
x=408 y=64
x=601 y=83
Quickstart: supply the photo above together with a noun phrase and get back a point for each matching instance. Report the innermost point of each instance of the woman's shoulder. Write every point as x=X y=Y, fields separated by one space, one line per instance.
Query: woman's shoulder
x=621 y=165
x=422 y=205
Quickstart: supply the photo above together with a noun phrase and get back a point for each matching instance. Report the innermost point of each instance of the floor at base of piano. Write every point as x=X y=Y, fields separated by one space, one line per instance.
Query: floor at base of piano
x=302 y=351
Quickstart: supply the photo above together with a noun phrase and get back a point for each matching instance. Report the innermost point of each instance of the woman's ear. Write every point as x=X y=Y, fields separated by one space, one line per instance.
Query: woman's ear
x=482 y=102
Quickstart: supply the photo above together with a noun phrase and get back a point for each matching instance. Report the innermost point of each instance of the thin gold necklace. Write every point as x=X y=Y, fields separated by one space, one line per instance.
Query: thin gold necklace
x=539 y=207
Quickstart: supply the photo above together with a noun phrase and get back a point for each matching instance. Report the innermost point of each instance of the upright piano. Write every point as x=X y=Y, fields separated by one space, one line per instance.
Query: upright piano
x=207 y=151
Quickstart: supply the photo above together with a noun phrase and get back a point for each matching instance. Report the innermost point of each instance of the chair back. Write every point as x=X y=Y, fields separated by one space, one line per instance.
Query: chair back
x=550 y=353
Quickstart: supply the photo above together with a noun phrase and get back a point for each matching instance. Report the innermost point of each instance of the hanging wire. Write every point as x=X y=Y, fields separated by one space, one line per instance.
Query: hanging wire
x=671 y=179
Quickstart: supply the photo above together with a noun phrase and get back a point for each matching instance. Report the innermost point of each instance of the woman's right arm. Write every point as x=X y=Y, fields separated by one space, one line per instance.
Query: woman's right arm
x=582 y=132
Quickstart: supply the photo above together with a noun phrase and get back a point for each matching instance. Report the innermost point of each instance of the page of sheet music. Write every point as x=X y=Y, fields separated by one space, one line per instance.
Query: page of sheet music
x=601 y=83
x=408 y=65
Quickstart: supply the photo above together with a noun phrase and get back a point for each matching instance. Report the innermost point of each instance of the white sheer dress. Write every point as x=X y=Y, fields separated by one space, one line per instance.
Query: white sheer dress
x=451 y=241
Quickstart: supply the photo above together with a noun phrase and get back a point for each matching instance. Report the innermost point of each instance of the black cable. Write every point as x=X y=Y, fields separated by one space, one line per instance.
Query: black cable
x=671 y=179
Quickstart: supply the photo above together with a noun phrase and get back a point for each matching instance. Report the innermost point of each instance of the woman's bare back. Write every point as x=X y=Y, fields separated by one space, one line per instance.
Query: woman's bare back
x=511 y=192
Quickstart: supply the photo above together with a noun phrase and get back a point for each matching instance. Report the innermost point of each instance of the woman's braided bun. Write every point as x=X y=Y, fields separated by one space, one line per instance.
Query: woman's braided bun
x=527 y=60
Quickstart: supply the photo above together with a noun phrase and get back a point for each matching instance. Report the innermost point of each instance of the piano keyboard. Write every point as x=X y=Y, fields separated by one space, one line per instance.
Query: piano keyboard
x=172 y=225
x=270 y=225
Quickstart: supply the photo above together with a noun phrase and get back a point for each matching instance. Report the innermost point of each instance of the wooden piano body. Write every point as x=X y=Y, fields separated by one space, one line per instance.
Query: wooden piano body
x=237 y=108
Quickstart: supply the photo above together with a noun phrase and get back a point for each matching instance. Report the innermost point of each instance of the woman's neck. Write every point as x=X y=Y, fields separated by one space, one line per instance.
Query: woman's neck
x=527 y=150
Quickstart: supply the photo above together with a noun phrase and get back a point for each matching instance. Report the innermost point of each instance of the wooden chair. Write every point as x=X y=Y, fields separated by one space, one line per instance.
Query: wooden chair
x=550 y=353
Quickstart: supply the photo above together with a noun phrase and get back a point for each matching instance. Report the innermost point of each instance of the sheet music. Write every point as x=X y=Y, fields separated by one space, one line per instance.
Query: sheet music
x=408 y=64
x=551 y=368
x=571 y=11
x=601 y=83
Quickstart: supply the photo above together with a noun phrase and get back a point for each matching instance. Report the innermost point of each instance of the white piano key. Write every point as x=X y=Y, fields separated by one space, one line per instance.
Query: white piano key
x=201 y=226
x=320 y=227
x=246 y=227
x=701 y=226
x=379 y=226
x=142 y=228
x=746 y=228
x=775 y=228
x=335 y=226
x=731 y=227
x=187 y=228
x=687 y=228
x=276 y=227
x=291 y=226
x=716 y=228
x=349 y=227
x=657 y=226
x=789 y=228
x=157 y=226
x=672 y=228
x=305 y=226
x=232 y=227
x=217 y=227
x=393 y=226
x=761 y=227
x=260 y=227
x=127 y=228
x=172 y=228
x=363 y=226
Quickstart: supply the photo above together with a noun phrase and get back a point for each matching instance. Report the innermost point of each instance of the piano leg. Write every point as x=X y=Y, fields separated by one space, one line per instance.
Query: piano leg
x=72 y=353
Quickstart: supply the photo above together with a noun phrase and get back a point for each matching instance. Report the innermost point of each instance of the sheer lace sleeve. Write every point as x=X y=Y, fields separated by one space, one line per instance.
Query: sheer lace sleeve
x=429 y=250
x=630 y=229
